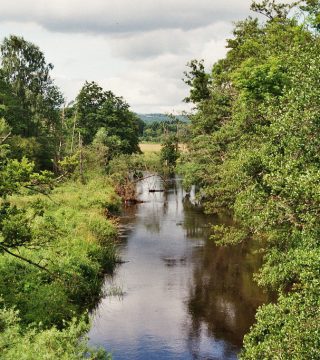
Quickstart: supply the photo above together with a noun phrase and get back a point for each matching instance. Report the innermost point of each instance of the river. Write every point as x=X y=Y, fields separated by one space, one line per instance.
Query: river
x=177 y=295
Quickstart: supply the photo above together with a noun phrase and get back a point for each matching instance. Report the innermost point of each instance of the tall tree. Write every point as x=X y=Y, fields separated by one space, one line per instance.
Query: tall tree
x=25 y=69
x=89 y=100
x=32 y=102
x=96 y=109
x=260 y=162
x=198 y=80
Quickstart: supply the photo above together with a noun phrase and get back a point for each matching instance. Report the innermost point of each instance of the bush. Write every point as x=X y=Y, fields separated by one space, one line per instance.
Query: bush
x=17 y=342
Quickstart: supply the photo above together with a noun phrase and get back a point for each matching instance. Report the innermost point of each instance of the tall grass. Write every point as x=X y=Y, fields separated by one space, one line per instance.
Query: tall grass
x=76 y=243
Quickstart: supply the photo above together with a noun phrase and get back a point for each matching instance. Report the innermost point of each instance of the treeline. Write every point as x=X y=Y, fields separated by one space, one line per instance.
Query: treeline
x=45 y=129
x=57 y=236
x=254 y=152
x=156 y=131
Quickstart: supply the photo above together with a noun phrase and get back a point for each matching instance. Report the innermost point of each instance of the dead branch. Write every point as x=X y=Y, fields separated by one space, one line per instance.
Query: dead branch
x=5 y=138
x=146 y=177
x=27 y=260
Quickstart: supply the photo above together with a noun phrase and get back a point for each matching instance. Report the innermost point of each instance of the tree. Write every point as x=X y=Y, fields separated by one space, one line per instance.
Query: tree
x=272 y=9
x=88 y=102
x=312 y=7
x=11 y=107
x=257 y=157
x=31 y=102
x=169 y=153
x=96 y=109
x=198 y=80
x=25 y=69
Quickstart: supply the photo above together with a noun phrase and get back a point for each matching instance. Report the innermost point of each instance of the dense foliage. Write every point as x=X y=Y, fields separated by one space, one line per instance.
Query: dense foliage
x=255 y=153
x=169 y=152
x=54 y=250
x=18 y=343
x=98 y=110
x=56 y=242
x=42 y=128
x=156 y=131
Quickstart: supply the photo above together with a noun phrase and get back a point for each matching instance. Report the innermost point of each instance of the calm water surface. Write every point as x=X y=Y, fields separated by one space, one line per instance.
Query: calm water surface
x=182 y=297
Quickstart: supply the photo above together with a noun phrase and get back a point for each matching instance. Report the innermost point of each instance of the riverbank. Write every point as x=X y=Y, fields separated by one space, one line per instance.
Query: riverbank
x=74 y=248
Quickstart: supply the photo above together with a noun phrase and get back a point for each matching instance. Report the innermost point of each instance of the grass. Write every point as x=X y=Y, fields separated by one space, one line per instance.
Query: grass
x=81 y=248
x=44 y=312
x=79 y=209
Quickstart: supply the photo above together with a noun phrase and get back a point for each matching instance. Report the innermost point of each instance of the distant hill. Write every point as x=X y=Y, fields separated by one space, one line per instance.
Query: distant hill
x=150 y=118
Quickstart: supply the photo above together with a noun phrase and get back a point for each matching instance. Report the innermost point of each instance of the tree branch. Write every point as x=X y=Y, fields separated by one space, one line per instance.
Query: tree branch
x=148 y=176
x=27 y=260
x=5 y=138
x=40 y=192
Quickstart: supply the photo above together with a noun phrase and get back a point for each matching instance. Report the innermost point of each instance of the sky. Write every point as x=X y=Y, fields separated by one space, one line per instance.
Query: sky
x=136 y=48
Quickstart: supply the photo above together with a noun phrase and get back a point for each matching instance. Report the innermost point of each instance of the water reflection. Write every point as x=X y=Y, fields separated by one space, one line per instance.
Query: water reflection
x=222 y=295
x=184 y=297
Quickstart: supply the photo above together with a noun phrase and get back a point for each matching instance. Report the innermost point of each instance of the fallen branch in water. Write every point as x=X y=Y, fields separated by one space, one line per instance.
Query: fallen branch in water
x=149 y=176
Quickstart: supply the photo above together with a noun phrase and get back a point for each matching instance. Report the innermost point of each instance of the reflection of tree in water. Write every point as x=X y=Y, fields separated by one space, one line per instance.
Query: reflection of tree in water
x=223 y=297
x=196 y=223
x=152 y=224
x=152 y=217
x=159 y=208
x=127 y=223
x=165 y=205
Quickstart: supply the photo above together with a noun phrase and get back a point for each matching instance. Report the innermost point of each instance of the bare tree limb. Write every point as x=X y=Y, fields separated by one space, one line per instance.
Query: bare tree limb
x=5 y=138
x=27 y=260
x=40 y=192
x=149 y=176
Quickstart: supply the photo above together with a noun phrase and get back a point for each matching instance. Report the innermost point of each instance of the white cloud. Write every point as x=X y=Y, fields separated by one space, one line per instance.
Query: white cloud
x=101 y=16
x=136 y=48
x=167 y=41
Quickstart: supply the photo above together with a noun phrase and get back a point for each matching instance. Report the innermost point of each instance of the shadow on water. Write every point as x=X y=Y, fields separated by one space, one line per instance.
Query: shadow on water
x=181 y=296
